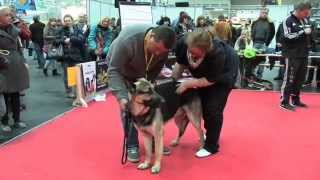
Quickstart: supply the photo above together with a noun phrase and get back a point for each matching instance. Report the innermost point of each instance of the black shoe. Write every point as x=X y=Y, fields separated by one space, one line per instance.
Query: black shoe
x=299 y=104
x=45 y=72
x=55 y=73
x=287 y=106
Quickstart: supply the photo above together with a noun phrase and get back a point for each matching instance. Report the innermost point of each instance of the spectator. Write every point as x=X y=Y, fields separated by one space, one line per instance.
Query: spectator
x=222 y=30
x=262 y=32
x=36 y=29
x=16 y=77
x=183 y=26
x=117 y=29
x=295 y=48
x=165 y=21
x=279 y=39
x=175 y=22
x=74 y=48
x=3 y=65
x=51 y=38
x=243 y=42
x=59 y=23
x=201 y=24
x=100 y=38
x=315 y=37
x=113 y=23
x=83 y=25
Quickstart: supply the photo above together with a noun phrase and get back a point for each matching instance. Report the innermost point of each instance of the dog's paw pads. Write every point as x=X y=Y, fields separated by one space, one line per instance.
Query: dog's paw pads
x=143 y=166
x=155 y=169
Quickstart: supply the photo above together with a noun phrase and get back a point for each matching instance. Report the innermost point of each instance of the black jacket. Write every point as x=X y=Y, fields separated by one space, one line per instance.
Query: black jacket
x=221 y=65
x=295 y=41
x=37 y=32
x=268 y=38
x=76 y=52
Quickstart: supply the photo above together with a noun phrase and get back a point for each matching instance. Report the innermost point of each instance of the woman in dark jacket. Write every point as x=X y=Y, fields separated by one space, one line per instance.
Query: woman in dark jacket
x=51 y=38
x=74 y=48
x=183 y=26
x=15 y=77
x=214 y=66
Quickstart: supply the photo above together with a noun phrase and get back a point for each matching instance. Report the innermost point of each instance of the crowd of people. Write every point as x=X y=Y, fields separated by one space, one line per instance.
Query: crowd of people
x=64 y=42
x=208 y=49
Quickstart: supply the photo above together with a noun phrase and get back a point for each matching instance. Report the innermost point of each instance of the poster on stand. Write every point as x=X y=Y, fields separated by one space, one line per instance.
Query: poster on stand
x=89 y=78
x=102 y=77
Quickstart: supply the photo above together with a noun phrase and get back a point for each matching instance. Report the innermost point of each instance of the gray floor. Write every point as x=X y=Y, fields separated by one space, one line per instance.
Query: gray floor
x=44 y=100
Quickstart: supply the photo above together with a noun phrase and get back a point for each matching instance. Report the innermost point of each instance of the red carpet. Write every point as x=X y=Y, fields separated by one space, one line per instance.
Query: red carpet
x=259 y=142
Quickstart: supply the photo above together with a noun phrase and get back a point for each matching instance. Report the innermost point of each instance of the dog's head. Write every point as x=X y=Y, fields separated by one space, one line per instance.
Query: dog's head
x=143 y=86
x=143 y=96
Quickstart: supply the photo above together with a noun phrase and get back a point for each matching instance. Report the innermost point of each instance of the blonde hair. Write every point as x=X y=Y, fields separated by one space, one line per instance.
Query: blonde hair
x=201 y=39
x=3 y=8
x=104 y=19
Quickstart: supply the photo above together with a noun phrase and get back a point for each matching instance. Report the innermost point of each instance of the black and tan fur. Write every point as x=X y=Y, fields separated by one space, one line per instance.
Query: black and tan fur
x=150 y=111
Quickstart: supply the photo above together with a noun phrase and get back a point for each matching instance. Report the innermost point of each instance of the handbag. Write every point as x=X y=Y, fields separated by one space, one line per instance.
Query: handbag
x=55 y=52
x=4 y=62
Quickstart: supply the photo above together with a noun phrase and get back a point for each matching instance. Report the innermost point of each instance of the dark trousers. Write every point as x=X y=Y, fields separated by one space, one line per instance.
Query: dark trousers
x=294 y=77
x=12 y=100
x=132 y=141
x=213 y=101
x=39 y=53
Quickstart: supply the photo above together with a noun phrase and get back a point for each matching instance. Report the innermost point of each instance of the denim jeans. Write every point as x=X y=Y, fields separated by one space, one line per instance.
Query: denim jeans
x=262 y=48
x=39 y=54
x=132 y=141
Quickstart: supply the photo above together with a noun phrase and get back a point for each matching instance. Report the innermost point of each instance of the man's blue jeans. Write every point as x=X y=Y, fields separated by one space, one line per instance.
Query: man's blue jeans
x=39 y=53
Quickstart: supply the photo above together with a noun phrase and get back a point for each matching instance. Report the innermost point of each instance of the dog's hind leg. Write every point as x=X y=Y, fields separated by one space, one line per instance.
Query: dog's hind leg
x=194 y=114
x=148 y=150
x=181 y=121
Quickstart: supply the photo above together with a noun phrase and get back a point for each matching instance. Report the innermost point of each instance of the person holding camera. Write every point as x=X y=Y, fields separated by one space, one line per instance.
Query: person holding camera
x=100 y=39
x=295 y=48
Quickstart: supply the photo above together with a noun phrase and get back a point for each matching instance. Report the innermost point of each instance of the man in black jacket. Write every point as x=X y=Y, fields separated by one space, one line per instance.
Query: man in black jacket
x=262 y=33
x=296 y=39
x=36 y=29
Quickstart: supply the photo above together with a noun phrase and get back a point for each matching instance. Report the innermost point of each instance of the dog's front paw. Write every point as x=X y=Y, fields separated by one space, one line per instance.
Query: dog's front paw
x=155 y=169
x=144 y=166
x=174 y=143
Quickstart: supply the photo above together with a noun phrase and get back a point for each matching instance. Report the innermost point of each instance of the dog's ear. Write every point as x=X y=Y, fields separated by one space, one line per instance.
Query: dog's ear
x=155 y=101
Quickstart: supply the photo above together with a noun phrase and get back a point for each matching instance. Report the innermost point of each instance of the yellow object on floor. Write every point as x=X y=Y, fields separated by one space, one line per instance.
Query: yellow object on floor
x=72 y=76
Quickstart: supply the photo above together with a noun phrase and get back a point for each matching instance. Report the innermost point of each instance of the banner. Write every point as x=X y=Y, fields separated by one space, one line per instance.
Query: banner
x=89 y=78
x=23 y=5
x=102 y=78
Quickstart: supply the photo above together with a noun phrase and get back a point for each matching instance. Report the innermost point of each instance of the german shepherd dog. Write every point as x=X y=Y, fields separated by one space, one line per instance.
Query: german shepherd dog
x=152 y=106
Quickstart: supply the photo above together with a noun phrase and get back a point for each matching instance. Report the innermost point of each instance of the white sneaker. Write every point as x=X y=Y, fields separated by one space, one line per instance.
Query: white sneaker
x=6 y=128
x=203 y=153
x=20 y=125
